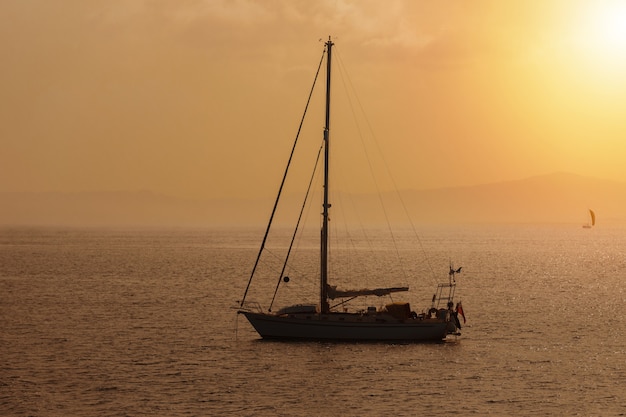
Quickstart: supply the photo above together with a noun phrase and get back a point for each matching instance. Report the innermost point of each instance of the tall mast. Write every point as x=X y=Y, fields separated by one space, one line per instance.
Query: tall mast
x=324 y=307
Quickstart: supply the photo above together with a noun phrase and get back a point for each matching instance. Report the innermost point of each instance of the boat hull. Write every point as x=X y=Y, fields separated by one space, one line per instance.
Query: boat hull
x=345 y=327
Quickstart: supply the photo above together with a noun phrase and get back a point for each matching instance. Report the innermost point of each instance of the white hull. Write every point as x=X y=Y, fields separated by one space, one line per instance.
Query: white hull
x=346 y=327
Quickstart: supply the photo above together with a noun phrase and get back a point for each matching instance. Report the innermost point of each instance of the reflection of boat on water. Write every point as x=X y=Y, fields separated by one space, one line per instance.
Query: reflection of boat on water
x=592 y=217
x=394 y=321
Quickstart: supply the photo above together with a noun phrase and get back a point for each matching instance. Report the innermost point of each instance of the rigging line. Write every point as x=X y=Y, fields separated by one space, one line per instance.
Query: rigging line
x=282 y=184
x=367 y=156
x=295 y=232
x=272 y=257
x=395 y=186
x=351 y=238
x=302 y=271
x=300 y=238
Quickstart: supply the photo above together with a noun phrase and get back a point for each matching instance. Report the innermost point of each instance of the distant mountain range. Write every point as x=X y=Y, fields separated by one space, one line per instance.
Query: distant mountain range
x=553 y=198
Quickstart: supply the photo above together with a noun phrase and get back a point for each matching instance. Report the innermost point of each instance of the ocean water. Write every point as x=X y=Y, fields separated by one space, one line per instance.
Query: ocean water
x=130 y=323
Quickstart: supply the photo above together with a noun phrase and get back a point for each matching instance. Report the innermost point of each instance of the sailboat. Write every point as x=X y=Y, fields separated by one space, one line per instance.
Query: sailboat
x=592 y=217
x=393 y=322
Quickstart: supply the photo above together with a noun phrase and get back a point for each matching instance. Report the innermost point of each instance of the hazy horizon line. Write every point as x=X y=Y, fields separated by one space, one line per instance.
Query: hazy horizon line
x=157 y=193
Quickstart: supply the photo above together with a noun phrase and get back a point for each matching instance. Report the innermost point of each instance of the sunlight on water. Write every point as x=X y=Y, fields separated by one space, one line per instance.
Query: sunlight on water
x=131 y=323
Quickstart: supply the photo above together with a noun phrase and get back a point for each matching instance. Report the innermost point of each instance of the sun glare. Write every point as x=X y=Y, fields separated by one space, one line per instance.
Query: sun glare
x=610 y=25
x=604 y=31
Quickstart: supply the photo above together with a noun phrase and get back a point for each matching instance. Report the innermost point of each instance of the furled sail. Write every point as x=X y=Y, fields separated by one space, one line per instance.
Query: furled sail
x=333 y=292
x=593 y=217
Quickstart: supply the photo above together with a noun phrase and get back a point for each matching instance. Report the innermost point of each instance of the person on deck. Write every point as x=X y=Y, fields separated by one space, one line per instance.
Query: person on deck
x=453 y=314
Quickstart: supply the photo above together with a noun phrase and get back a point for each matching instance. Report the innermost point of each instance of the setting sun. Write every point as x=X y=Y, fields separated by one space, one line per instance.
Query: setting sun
x=610 y=25
x=602 y=32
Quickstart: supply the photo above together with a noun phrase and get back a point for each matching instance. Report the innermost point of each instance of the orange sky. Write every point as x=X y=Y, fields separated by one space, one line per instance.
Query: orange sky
x=202 y=98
